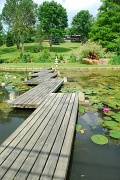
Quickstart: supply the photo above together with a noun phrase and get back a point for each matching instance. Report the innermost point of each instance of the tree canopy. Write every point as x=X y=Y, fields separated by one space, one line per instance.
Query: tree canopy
x=20 y=16
x=82 y=23
x=106 y=29
x=53 y=18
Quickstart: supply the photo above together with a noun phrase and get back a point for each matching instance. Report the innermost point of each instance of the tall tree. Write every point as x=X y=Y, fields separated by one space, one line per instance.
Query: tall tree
x=20 y=16
x=107 y=26
x=1 y=28
x=82 y=23
x=53 y=18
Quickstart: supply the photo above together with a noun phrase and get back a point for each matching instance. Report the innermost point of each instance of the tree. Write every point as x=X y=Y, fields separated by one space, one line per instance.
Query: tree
x=39 y=36
x=107 y=26
x=9 y=39
x=82 y=23
x=20 y=16
x=53 y=18
x=1 y=28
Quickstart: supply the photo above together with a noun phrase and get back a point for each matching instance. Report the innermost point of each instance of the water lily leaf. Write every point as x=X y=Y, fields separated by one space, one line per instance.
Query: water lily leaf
x=111 y=123
x=78 y=127
x=115 y=133
x=99 y=139
x=116 y=117
x=107 y=118
x=115 y=128
x=100 y=121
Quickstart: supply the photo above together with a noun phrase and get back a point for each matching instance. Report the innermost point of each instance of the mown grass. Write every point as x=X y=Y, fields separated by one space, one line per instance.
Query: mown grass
x=65 y=49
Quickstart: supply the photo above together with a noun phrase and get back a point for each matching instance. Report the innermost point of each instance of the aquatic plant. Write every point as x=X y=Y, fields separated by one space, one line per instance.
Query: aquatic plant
x=106 y=110
x=99 y=139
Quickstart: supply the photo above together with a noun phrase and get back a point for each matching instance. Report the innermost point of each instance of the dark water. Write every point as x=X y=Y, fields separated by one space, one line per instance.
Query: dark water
x=90 y=161
x=9 y=123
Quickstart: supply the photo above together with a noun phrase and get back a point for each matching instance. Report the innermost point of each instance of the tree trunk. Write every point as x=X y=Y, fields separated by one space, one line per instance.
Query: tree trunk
x=50 y=45
x=22 y=47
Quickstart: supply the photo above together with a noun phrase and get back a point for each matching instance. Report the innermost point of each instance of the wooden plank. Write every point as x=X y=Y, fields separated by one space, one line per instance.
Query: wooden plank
x=41 y=73
x=63 y=161
x=50 y=166
x=28 y=140
x=40 y=79
x=33 y=97
x=40 y=148
x=21 y=128
x=38 y=167
x=30 y=160
x=22 y=150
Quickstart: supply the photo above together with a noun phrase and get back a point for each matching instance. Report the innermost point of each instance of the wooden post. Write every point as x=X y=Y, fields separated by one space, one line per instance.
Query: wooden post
x=65 y=80
x=58 y=73
x=12 y=96
x=81 y=96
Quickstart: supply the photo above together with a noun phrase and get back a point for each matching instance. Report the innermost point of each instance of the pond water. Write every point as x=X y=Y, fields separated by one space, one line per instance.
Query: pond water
x=89 y=161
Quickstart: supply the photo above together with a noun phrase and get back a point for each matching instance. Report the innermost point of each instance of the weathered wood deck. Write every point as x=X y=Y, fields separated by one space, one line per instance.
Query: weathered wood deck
x=40 y=148
x=41 y=78
x=42 y=72
x=34 y=97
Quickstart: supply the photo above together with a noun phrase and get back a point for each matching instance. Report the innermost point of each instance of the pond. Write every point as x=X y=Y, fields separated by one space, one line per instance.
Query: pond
x=89 y=161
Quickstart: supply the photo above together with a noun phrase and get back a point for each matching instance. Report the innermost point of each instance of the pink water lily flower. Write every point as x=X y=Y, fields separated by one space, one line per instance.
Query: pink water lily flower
x=106 y=110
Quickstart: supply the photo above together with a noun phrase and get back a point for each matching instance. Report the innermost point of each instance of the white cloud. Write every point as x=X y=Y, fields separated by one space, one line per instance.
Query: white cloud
x=72 y=6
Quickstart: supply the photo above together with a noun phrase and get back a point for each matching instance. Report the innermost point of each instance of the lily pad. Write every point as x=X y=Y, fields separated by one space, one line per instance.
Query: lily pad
x=115 y=133
x=107 y=118
x=116 y=117
x=111 y=123
x=99 y=139
x=78 y=127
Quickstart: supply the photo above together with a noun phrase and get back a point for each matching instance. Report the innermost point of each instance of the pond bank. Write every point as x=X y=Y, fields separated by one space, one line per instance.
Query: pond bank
x=60 y=68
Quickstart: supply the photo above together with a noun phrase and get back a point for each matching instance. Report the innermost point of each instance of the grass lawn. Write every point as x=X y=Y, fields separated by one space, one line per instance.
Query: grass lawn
x=65 y=49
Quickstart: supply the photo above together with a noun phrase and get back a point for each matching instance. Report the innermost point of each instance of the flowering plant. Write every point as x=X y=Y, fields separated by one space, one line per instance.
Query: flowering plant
x=106 y=110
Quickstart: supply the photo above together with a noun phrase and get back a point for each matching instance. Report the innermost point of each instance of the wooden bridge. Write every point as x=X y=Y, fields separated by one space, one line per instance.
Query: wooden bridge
x=40 y=147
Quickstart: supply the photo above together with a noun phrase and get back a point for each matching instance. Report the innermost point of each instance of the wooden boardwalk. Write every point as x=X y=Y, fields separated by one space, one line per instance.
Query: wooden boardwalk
x=41 y=78
x=40 y=148
x=42 y=72
x=34 y=97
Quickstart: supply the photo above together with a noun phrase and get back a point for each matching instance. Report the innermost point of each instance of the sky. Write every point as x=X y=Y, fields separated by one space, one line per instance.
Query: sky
x=72 y=6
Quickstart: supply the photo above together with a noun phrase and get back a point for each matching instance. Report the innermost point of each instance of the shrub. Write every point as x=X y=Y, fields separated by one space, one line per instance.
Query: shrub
x=115 y=60
x=84 y=50
x=44 y=56
x=72 y=58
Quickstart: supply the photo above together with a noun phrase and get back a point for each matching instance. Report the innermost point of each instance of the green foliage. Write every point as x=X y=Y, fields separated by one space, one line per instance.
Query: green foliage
x=99 y=139
x=115 y=60
x=82 y=23
x=9 y=39
x=44 y=56
x=73 y=58
x=20 y=16
x=83 y=51
x=115 y=134
x=111 y=123
x=53 y=18
x=78 y=127
x=106 y=29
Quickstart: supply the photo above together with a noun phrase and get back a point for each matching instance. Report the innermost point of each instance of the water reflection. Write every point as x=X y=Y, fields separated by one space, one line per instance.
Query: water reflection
x=90 y=161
